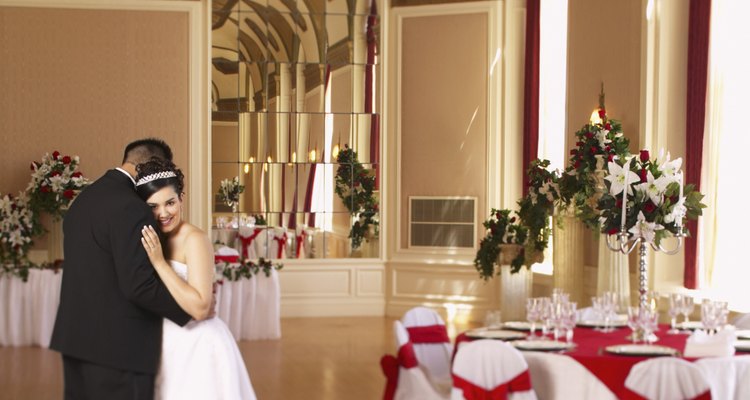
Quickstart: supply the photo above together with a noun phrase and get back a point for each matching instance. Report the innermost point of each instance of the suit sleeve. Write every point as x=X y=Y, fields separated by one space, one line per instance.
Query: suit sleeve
x=135 y=274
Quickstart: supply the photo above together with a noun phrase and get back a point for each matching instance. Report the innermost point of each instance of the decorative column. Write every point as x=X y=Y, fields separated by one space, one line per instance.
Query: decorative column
x=568 y=256
x=514 y=288
x=613 y=273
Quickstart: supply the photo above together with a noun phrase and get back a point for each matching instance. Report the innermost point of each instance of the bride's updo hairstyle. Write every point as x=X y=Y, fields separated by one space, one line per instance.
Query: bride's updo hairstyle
x=157 y=174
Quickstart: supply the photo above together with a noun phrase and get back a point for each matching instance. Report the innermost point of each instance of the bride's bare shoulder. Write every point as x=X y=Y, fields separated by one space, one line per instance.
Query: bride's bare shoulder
x=193 y=233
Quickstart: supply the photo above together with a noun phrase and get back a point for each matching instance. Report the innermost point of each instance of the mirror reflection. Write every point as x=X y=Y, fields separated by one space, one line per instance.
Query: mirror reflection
x=296 y=130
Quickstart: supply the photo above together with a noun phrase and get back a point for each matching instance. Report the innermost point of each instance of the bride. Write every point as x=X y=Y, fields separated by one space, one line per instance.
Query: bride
x=200 y=360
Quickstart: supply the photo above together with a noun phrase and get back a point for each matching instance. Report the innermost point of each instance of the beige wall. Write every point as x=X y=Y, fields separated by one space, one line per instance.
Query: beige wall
x=443 y=110
x=87 y=82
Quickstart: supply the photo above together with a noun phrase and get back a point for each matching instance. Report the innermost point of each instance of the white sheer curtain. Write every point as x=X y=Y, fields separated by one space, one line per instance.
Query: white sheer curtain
x=724 y=226
x=553 y=49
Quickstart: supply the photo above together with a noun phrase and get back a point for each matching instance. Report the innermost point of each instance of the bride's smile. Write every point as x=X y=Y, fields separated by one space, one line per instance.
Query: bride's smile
x=166 y=205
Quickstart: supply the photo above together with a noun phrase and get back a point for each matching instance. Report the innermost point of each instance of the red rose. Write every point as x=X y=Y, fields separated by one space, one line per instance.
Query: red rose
x=611 y=157
x=66 y=160
x=644 y=155
x=576 y=164
x=13 y=207
x=68 y=194
x=589 y=135
x=607 y=126
x=44 y=189
x=608 y=149
x=77 y=174
x=579 y=144
x=593 y=150
x=33 y=166
x=573 y=152
x=55 y=173
x=512 y=220
x=602 y=113
x=649 y=207
x=55 y=154
x=673 y=199
x=612 y=231
x=498 y=215
x=618 y=203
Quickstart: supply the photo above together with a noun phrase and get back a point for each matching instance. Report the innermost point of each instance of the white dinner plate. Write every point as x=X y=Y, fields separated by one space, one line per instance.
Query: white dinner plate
x=517 y=325
x=498 y=334
x=742 y=345
x=743 y=334
x=542 y=345
x=641 y=350
x=690 y=325
x=617 y=322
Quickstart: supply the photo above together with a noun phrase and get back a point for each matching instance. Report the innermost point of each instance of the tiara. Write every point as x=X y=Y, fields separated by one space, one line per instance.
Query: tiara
x=153 y=177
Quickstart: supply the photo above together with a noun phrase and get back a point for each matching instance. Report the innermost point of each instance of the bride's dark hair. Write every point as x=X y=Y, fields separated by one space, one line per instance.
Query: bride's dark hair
x=151 y=186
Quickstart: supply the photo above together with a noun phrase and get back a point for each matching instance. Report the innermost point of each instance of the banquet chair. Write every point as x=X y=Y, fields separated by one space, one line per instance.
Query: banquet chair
x=490 y=369
x=431 y=344
x=729 y=377
x=742 y=321
x=250 y=238
x=405 y=380
x=560 y=377
x=277 y=243
x=666 y=378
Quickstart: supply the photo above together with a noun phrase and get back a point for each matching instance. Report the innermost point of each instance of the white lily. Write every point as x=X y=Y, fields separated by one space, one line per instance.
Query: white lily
x=644 y=229
x=654 y=188
x=670 y=169
x=601 y=136
x=678 y=211
x=617 y=178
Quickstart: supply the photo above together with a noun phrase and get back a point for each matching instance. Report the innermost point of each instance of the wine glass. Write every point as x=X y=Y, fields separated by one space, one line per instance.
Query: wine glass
x=675 y=307
x=570 y=319
x=532 y=315
x=649 y=320
x=633 y=322
x=688 y=304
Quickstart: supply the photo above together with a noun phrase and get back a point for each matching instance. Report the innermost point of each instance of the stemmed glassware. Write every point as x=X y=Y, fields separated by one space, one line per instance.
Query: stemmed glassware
x=687 y=308
x=634 y=322
x=649 y=319
x=676 y=304
x=713 y=315
x=533 y=311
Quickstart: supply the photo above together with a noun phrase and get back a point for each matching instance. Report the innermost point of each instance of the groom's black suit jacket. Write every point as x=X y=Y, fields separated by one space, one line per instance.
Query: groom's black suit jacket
x=111 y=301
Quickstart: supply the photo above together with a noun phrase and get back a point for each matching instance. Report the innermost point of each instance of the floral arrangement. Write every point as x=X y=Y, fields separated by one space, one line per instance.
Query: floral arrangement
x=355 y=186
x=536 y=208
x=580 y=185
x=260 y=219
x=18 y=227
x=55 y=181
x=246 y=270
x=655 y=200
x=229 y=192
x=502 y=228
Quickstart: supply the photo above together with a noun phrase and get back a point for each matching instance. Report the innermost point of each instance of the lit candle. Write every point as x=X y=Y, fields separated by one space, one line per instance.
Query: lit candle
x=626 y=170
x=679 y=181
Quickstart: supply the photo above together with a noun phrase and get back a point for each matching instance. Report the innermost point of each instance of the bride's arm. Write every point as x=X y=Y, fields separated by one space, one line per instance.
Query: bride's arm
x=194 y=296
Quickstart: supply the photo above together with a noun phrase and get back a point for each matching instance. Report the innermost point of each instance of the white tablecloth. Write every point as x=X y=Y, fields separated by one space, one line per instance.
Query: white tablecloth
x=250 y=307
x=28 y=310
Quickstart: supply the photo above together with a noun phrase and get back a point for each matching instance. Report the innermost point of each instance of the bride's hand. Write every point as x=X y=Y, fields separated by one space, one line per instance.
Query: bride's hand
x=152 y=245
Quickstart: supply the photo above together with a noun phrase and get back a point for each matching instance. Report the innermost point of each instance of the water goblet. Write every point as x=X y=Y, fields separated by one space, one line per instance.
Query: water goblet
x=633 y=322
x=493 y=319
x=675 y=307
x=649 y=322
x=532 y=315
x=687 y=308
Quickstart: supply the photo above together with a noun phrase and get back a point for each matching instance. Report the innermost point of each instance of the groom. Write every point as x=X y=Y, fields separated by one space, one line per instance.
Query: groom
x=109 y=322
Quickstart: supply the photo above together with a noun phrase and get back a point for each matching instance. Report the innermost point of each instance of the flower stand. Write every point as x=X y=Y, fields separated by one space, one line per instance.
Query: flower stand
x=514 y=288
x=568 y=257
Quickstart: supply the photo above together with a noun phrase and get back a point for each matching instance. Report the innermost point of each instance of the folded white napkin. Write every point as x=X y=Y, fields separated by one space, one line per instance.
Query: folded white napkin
x=701 y=344
x=226 y=251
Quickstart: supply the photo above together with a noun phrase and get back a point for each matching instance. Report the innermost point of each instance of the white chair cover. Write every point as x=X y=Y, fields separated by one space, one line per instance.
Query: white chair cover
x=300 y=242
x=552 y=375
x=277 y=243
x=249 y=236
x=310 y=242
x=489 y=364
x=434 y=357
x=412 y=381
x=729 y=377
x=666 y=378
x=742 y=322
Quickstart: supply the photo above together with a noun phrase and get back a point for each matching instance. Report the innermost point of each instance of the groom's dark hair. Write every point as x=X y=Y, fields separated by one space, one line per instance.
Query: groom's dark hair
x=143 y=150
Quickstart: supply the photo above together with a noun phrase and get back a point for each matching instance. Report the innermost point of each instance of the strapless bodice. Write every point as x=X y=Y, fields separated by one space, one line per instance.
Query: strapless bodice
x=180 y=268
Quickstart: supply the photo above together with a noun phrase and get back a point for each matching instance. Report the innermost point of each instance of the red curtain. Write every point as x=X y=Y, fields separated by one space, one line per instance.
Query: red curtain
x=531 y=90
x=697 y=82
x=372 y=43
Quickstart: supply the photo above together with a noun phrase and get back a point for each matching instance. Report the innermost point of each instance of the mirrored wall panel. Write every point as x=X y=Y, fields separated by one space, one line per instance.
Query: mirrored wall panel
x=296 y=128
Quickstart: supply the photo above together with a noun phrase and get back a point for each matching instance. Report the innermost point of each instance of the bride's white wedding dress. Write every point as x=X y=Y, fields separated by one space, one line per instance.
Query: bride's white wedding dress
x=200 y=360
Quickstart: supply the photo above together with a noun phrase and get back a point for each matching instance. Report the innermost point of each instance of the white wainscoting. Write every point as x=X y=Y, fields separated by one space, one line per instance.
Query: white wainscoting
x=326 y=288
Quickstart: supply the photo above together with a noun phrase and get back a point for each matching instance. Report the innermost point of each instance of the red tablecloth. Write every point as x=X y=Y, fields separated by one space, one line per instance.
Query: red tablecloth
x=611 y=369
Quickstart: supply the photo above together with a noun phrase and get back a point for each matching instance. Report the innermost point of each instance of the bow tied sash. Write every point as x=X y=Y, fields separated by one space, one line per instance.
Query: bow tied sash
x=281 y=240
x=428 y=334
x=407 y=358
x=229 y=259
x=628 y=394
x=248 y=240
x=521 y=383
x=300 y=239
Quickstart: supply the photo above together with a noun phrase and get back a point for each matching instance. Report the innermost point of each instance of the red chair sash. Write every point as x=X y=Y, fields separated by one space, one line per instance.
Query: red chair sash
x=521 y=383
x=428 y=334
x=300 y=240
x=407 y=358
x=281 y=240
x=389 y=365
x=248 y=240
x=628 y=394
x=229 y=259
